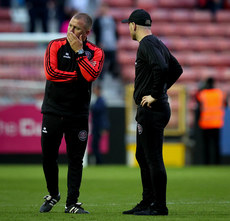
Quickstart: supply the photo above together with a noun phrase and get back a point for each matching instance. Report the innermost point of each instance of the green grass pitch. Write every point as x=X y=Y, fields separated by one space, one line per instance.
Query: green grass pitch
x=193 y=193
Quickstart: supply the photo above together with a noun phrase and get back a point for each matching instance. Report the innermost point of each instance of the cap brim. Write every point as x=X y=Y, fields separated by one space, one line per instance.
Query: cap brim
x=125 y=21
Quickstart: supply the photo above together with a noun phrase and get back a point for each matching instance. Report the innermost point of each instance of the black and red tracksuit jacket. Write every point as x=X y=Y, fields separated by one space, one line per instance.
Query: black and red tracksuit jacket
x=69 y=78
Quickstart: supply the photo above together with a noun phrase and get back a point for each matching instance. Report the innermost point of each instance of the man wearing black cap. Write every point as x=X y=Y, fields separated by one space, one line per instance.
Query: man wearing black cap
x=155 y=71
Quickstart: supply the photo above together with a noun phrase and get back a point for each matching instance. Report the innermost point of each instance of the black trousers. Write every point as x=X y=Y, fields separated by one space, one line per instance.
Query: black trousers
x=150 y=128
x=95 y=145
x=75 y=132
x=211 y=139
x=36 y=14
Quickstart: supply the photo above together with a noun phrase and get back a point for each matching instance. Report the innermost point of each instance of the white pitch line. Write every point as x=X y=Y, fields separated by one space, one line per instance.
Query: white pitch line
x=133 y=204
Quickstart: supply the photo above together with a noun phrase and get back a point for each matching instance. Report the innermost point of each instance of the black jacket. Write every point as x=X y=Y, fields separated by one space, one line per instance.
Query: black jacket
x=69 y=77
x=156 y=69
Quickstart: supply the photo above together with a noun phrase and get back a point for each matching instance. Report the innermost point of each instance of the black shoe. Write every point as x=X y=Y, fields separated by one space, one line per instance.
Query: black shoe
x=50 y=201
x=75 y=208
x=153 y=211
x=139 y=207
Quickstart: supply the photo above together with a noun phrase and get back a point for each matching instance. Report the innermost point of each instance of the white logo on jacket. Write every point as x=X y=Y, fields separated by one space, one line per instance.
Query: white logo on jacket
x=44 y=130
x=67 y=55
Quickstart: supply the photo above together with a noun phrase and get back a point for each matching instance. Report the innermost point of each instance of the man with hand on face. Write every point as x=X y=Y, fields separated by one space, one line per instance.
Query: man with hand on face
x=71 y=65
x=155 y=71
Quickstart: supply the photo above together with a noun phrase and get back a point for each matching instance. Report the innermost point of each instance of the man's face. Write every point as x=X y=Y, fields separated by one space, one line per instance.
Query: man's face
x=77 y=26
x=132 y=30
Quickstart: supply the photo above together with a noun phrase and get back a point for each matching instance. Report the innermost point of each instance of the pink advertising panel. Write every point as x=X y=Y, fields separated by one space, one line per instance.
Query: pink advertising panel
x=20 y=130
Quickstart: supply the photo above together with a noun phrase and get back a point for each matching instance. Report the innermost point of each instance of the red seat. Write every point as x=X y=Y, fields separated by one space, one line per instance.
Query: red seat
x=201 y=16
x=17 y=44
x=146 y=4
x=206 y=72
x=126 y=57
x=123 y=29
x=189 y=75
x=223 y=45
x=160 y=15
x=177 y=4
x=178 y=44
x=216 y=30
x=119 y=3
x=128 y=73
x=188 y=29
x=127 y=43
x=220 y=59
x=226 y=74
x=24 y=73
x=10 y=27
x=119 y=13
x=180 y=15
x=223 y=16
x=203 y=59
x=22 y=59
x=5 y=14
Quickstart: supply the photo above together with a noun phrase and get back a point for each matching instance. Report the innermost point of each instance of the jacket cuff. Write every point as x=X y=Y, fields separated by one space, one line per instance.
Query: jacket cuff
x=80 y=55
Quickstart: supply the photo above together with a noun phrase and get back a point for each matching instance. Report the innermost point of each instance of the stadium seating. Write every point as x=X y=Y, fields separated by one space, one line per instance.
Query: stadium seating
x=119 y=3
x=120 y=13
x=10 y=27
x=5 y=14
x=6 y=24
x=201 y=45
x=15 y=63
x=11 y=45
x=223 y=16
x=146 y=4
x=22 y=73
x=180 y=15
x=177 y=3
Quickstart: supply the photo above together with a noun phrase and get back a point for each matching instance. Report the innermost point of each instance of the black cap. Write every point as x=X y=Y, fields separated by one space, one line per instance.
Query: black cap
x=139 y=17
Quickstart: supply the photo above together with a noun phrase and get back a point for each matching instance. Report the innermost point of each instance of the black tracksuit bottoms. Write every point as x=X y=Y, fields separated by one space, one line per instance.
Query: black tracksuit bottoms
x=150 y=131
x=75 y=131
x=211 y=140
